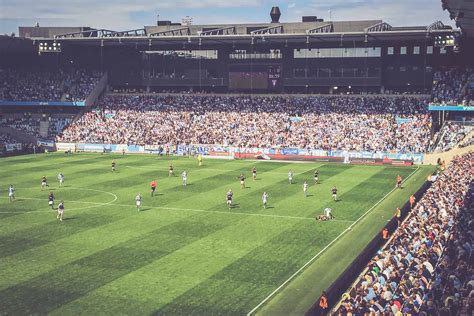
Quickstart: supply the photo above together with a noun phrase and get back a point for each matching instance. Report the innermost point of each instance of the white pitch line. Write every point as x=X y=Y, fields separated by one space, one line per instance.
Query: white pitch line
x=94 y=204
x=324 y=249
x=97 y=204
x=228 y=213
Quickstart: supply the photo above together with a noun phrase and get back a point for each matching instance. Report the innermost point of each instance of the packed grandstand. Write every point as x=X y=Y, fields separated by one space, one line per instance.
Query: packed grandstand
x=360 y=123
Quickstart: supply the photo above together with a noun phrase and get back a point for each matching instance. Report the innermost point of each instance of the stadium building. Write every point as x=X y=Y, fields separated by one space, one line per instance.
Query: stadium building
x=311 y=56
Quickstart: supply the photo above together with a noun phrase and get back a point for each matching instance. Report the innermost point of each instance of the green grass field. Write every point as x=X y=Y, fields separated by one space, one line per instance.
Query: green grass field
x=185 y=252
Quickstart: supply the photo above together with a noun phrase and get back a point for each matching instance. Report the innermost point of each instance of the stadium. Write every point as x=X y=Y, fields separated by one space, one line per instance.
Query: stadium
x=314 y=167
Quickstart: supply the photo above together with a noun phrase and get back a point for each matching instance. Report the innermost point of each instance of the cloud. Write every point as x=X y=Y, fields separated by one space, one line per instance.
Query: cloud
x=291 y=5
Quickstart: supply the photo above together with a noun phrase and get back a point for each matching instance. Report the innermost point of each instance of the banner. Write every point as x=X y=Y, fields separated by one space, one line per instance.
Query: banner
x=365 y=157
x=458 y=108
x=40 y=103
x=12 y=147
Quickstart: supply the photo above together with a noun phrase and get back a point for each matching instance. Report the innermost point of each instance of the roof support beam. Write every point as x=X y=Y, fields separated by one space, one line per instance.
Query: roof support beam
x=379 y=27
x=128 y=33
x=438 y=25
x=93 y=33
x=278 y=29
x=230 y=30
x=182 y=31
x=326 y=28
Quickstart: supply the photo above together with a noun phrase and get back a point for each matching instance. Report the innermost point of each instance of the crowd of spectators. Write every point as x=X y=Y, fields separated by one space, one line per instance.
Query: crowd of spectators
x=46 y=85
x=31 y=125
x=319 y=122
x=453 y=86
x=83 y=84
x=24 y=124
x=451 y=135
x=7 y=139
x=426 y=267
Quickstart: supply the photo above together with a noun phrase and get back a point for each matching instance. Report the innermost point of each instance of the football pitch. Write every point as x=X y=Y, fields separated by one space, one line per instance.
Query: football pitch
x=185 y=252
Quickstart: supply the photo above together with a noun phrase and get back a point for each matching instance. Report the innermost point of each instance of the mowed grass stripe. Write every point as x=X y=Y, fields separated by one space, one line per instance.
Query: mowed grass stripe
x=51 y=256
x=253 y=276
x=176 y=273
x=51 y=290
x=353 y=203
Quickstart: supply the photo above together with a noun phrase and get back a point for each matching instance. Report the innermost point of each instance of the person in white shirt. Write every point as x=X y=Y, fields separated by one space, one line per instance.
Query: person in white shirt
x=138 y=201
x=184 y=176
x=305 y=189
x=11 y=193
x=265 y=199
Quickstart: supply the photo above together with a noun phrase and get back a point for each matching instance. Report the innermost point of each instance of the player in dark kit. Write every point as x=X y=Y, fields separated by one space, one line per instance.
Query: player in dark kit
x=316 y=176
x=334 y=193
x=242 y=181
x=229 y=196
x=51 y=200
x=44 y=183
x=170 y=171
x=113 y=166
x=254 y=173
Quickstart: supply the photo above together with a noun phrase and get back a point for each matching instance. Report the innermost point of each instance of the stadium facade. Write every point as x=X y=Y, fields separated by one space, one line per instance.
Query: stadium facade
x=311 y=56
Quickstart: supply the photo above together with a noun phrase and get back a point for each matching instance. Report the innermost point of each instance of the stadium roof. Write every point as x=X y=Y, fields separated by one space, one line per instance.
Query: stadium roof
x=462 y=11
x=167 y=33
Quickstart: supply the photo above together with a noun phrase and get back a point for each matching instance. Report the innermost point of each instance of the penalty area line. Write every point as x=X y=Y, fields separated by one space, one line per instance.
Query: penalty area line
x=325 y=248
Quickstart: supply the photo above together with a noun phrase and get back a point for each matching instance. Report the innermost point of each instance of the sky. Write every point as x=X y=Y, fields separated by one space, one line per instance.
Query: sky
x=119 y=15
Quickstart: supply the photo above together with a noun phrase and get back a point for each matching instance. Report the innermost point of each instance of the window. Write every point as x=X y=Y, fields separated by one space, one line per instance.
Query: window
x=442 y=50
x=429 y=50
x=415 y=68
x=374 y=52
x=390 y=51
x=403 y=68
x=416 y=50
x=403 y=50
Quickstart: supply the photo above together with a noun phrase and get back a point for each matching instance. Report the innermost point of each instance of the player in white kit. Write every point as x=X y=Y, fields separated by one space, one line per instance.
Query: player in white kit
x=138 y=201
x=265 y=199
x=305 y=188
x=290 y=177
x=184 y=176
x=60 y=211
x=11 y=193
x=61 y=179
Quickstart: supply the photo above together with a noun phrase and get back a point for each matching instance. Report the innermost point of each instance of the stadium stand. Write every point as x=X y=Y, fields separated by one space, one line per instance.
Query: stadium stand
x=6 y=139
x=320 y=122
x=453 y=86
x=451 y=135
x=31 y=125
x=426 y=267
x=46 y=85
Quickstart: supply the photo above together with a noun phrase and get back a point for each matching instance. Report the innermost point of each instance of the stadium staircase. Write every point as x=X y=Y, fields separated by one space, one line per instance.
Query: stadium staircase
x=43 y=129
